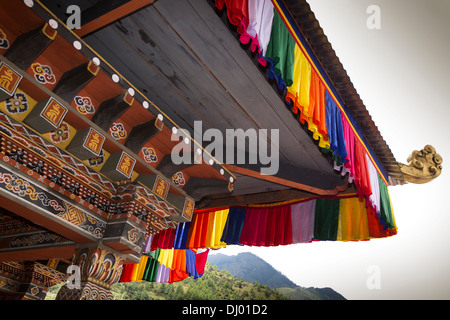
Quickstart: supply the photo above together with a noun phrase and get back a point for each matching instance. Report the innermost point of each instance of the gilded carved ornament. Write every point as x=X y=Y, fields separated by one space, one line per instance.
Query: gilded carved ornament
x=423 y=166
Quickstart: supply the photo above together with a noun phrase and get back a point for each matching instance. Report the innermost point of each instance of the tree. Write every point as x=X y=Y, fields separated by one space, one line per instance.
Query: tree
x=179 y=293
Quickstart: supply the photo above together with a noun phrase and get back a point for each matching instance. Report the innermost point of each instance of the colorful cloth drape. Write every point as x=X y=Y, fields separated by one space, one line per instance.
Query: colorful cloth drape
x=174 y=254
x=340 y=218
x=264 y=24
x=237 y=12
x=315 y=116
x=206 y=229
x=303 y=219
x=267 y=226
x=280 y=54
x=233 y=226
x=260 y=16
x=166 y=266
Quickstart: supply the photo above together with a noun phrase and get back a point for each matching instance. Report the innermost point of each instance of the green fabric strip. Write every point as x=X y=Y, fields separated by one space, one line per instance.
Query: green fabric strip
x=326 y=219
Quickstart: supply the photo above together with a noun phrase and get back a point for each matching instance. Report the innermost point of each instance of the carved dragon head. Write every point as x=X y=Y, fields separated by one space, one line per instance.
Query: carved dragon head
x=423 y=166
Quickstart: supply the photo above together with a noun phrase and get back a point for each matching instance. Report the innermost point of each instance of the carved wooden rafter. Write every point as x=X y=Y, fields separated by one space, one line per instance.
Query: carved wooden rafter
x=74 y=80
x=30 y=45
x=142 y=133
x=111 y=109
x=168 y=168
x=200 y=187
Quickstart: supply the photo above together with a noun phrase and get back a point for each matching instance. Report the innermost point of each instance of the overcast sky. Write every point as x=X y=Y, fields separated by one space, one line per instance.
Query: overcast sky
x=402 y=74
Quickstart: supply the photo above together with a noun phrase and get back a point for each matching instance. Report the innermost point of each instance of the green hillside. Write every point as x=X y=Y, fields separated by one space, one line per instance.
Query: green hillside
x=300 y=293
x=252 y=268
x=213 y=285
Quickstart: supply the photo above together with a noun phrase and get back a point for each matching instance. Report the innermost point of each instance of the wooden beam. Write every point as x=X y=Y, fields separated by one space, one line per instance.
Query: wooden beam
x=260 y=198
x=9 y=81
x=263 y=197
x=30 y=45
x=74 y=80
x=168 y=168
x=285 y=182
x=104 y=17
x=86 y=144
x=111 y=109
x=63 y=250
x=47 y=115
x=198 y=188
x=116 y=236
x=142 y=133
x=45 y=219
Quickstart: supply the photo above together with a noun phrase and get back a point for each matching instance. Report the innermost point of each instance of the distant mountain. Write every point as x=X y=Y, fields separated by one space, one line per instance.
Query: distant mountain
x=252 y=268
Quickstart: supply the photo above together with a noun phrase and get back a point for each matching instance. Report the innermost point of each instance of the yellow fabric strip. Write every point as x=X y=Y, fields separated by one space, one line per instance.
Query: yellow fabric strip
x=299 y=92
x=353 y=224
x=220 y=218
x=305 y=81
x=166 y=257
x=141 y=267
x=211 y=229
x=301 y=80
x=138 y=271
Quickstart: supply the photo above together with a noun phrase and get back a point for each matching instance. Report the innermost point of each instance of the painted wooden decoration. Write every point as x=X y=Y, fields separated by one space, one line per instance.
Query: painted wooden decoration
x=157 y=184
x=119 y=166
x=161 y=187
x=188 y=209
x=9 y=81
x=46 y=116
x=87 y=144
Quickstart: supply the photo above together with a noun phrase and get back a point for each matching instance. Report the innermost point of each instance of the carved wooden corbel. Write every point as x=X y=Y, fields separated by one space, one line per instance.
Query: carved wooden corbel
x=423 y=166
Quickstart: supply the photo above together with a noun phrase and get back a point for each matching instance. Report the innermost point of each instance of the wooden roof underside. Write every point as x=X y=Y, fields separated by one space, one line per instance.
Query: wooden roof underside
x=184 y=57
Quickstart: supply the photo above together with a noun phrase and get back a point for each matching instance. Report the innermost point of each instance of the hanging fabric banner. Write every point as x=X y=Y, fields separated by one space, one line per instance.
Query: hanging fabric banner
x=166 y=266
x=339 y=218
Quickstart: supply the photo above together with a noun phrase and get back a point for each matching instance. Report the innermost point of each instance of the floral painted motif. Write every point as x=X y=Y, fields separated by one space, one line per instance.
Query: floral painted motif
x=43 y=73
x=178 y=178
x=84 y=105
x=118 y=131
x=34 y=239
x=18 y=103
x=61 y=134
x=97 y=160
x=24 y=189
x=149 y=155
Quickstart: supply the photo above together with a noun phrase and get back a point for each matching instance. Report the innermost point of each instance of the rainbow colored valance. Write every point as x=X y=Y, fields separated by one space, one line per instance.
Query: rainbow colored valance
x=269 y=29
x=338 y=218
x=176 y=253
